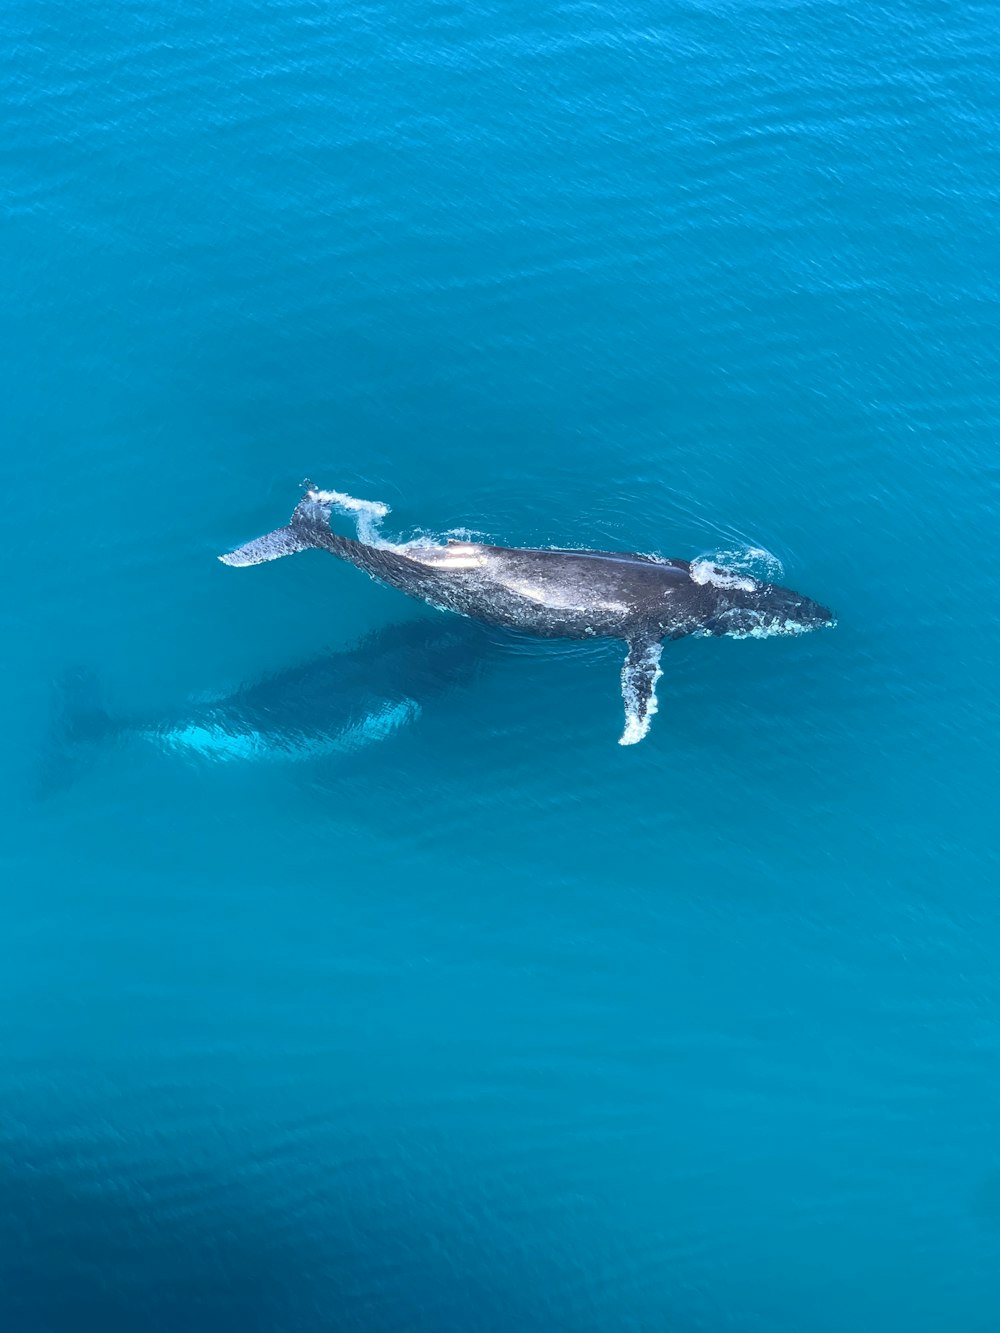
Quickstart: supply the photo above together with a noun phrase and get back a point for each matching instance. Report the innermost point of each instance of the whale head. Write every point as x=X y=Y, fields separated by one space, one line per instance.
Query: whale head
x=733 y=603
x=767 y=610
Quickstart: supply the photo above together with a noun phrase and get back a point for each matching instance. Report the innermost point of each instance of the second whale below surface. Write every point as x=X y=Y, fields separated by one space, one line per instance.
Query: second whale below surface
x=337 y=703
x=555 y=593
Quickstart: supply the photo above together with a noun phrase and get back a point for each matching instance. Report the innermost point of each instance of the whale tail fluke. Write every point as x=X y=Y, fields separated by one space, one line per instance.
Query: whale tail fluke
x=311 y=516
x=309 y=526
x=272 y=546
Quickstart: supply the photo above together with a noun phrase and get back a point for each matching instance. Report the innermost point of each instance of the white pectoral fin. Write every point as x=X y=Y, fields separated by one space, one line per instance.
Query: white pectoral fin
x=639 y=676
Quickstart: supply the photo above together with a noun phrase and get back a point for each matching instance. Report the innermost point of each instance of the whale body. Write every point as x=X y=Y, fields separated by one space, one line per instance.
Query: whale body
x=570 y=594
x=334 y=704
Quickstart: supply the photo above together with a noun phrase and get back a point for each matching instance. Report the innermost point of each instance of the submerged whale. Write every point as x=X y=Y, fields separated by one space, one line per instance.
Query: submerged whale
x=337 y=703
x=554 y=593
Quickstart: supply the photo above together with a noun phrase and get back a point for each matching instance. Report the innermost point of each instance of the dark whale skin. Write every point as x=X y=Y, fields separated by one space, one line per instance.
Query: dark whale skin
x=561 y=593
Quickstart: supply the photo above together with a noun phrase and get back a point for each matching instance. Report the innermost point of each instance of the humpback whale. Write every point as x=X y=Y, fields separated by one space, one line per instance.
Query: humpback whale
x=574 y=594
x=337 y=703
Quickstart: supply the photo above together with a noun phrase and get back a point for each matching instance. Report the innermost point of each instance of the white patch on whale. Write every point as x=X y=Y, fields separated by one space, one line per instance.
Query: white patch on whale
x=533 y=593
x=451 y=555
x=217 y=743
x=455 y=556
x=770 y=629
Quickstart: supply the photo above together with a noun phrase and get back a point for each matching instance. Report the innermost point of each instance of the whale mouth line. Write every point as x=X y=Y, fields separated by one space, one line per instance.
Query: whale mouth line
x=778 y=629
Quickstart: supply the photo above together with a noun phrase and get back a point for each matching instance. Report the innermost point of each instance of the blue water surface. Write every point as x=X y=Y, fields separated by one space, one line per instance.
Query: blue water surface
x=483 y=1022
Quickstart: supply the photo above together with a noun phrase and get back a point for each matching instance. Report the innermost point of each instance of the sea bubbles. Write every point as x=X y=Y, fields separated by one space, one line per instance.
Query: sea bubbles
x=737 y=567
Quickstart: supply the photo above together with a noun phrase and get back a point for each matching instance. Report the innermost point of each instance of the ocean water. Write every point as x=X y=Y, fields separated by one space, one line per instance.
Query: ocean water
x=470 y=1019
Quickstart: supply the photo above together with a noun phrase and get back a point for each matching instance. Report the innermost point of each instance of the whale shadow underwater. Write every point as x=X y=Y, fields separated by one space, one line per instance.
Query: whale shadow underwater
x=337 y=703
x=572 y=594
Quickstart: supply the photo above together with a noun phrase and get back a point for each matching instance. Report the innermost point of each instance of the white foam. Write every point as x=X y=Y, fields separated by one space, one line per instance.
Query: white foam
x=350 y=503
x=369 y=513
x=635 y=728
x=707 y=571
x=750 y=562
x=637 y=723
x=429 y=549
x=771 y=629
x=758 y=553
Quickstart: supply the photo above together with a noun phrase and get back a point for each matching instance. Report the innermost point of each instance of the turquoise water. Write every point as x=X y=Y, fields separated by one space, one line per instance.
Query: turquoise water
x=480 y=1021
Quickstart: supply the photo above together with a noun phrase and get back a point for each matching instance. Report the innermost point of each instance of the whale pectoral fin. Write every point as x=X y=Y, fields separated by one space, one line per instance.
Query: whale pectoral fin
x=639 y=676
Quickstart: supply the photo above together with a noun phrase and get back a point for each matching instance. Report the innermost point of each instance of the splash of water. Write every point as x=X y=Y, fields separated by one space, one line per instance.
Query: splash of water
x=368 y=514
x=737 y=567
